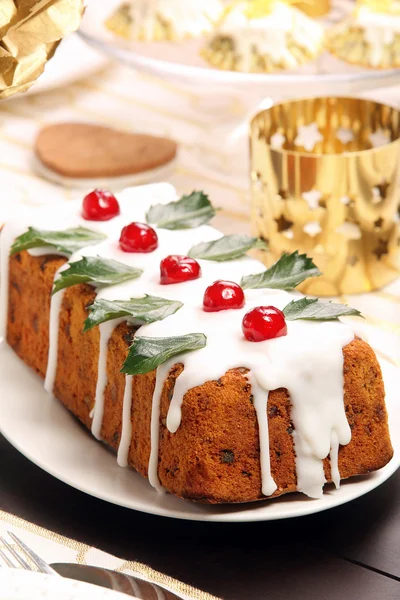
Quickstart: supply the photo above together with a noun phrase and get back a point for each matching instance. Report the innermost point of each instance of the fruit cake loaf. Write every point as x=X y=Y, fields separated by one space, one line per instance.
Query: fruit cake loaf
x=215 y=424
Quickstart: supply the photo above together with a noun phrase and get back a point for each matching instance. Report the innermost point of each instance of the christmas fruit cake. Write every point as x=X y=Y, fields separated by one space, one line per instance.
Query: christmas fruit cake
x=190 y=359
x=263 y=36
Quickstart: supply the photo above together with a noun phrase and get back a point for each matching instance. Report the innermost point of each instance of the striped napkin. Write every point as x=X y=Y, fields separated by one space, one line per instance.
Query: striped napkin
x=55 y=548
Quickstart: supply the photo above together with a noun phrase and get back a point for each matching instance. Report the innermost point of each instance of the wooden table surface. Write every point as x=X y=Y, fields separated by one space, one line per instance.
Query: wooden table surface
x=348 y=553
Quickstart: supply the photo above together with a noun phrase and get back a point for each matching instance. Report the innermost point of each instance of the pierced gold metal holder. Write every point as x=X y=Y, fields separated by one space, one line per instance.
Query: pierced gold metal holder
x=325 y=175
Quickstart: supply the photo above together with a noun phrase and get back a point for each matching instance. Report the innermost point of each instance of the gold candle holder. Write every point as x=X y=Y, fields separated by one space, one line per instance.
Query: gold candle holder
x=325 y=176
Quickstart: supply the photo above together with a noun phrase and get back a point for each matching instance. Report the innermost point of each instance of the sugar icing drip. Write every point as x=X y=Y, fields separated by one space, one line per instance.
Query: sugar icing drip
x=334 y=459
x=260 y=401
x=126 y=435
x=55 y=310
x=106 y=330
x=161 y=376
x=308 y=362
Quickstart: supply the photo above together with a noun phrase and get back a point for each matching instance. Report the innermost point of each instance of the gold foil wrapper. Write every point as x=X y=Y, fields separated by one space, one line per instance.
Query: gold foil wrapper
x=30 y=31
x=325 y=177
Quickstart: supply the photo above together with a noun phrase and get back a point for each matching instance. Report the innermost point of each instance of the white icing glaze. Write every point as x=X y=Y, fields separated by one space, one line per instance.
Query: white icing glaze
x=268 y=35
x=162 y=374
x=55 y=308
x=106 y=330
x=126 y=435
x=334 y=458
x=187 y=18
x=308 y=361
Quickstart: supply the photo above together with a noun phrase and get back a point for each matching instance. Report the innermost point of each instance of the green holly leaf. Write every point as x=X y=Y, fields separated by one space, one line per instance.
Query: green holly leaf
x=187 y=213
x=288 y=272
x=64 y=242
x=143 y=310
x=313 y=309
x=95 y=270
x=147 y=354
x=228 y=247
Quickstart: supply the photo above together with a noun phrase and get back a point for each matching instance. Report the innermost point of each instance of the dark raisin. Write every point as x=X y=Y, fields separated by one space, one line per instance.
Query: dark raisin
x=219 y=382
x=273 y=411
x=44 y=262
x=67 y=330
x=290 y=430
x=17 y=257
x=115 y=437
x=227 y=456
x=251 y=399
x=246 y=388
x=246 y=474
x=128 y=338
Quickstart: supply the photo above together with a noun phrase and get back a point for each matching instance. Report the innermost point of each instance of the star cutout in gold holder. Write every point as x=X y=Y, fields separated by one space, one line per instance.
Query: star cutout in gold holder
x=283 y=224
x=284 y=194
x=379 y=192
x=378 y=223
x=381 y=249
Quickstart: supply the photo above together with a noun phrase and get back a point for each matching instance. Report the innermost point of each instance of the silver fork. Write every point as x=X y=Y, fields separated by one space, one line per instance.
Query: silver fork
x=15 y=559
x=15 y=556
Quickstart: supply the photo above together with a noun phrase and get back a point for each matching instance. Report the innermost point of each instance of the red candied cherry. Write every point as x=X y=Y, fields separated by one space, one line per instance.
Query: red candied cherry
x=176 y=269
x=264 y=323
x=138 y=237
x=100 y=205
x=223 y=295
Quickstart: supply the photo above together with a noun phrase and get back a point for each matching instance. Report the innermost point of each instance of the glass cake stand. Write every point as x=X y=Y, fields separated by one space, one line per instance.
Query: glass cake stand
x=180 y=63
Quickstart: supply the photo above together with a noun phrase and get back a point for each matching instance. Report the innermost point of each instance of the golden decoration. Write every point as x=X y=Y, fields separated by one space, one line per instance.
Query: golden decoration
x=30 y=31
x=322 y=201
x=381 y=6
x=257 y=9
x=314 y=8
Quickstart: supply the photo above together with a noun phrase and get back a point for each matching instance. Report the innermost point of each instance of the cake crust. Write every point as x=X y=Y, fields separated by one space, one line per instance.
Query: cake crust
x=214 y=456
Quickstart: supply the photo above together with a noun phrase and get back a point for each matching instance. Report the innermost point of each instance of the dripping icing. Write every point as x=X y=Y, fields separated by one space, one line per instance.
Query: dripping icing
x=126 y=434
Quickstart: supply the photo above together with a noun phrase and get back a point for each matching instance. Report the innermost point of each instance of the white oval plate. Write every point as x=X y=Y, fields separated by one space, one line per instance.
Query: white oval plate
x=46 y=433
x=181 y=63
x=25 y=585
